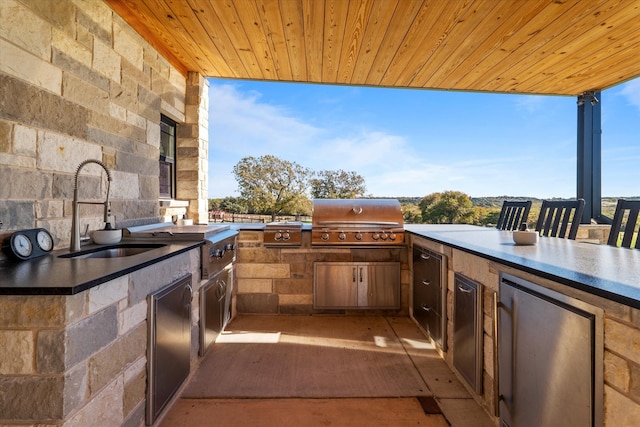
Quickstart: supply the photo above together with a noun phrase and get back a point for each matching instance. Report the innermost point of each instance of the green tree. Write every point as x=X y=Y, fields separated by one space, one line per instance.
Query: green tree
x=234 y=205
x=411 y=213
x=337 y=184
x=449 y=207
x=271 y=185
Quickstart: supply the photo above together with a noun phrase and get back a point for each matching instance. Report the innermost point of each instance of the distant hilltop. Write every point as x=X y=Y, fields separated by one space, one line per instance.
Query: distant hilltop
x=496 y=202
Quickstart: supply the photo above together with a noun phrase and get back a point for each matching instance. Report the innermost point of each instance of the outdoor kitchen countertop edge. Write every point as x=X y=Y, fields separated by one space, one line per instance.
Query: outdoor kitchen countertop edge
x=609 y=272
x=51 y=275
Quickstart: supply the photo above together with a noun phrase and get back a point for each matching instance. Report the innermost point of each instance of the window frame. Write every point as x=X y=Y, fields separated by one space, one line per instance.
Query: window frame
x=167 y=160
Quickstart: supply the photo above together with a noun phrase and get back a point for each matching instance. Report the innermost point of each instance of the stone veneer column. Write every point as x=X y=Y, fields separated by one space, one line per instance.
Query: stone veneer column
x=192 y=149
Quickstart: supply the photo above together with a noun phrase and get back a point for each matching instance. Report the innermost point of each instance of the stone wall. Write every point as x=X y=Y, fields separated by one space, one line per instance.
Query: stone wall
x=80 y=360
x=77 y=83
x=621 y=334
x=280 y=280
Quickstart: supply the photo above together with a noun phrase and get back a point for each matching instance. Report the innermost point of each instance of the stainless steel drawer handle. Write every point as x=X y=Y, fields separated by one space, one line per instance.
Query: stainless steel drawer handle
x=425 y=256
x=426 y=282
x=464 y=290
x=426 y=307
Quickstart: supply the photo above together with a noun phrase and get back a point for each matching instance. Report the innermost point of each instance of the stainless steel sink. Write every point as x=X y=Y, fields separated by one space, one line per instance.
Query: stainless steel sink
x=115 y=251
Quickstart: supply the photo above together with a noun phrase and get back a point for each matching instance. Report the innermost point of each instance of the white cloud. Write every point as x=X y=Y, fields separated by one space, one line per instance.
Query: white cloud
x=631 y=90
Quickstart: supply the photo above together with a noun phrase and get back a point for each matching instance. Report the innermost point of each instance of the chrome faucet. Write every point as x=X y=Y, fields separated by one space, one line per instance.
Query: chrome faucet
x=75 y=221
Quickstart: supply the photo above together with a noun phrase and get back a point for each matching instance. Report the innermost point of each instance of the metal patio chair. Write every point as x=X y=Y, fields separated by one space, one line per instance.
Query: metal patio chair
x=556 y=215
x=513 y=214
x=625 y=220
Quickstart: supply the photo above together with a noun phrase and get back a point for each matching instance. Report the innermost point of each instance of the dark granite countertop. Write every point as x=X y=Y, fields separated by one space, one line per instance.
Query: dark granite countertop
x=606 y=271
x=51 y=275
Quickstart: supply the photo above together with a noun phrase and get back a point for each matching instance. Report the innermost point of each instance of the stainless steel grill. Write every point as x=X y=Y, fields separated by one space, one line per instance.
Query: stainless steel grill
x=357 y=222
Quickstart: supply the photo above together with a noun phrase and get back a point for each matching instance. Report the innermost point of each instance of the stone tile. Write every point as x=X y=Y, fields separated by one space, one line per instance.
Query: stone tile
x=15 y=215
x=134 y=392
x=18 y=311
x=90 y=335
x=295 y=299
x=75 y=388
x=84 y=93
x=113 y=360
x=622 y=339
x=616 y=371
x=127 y=44
x=28 y=104
x=106 y=61
x=24 y=140
x=255 y=286
x=17 y=352
x=634 y=389
x=30 y=68
x=148 y=280
x=19 y=394
x=293 y=286
x=619 y=410
x=21 y=27
x=6 y=140
x=62 y=153
x=59 y=13
x=97 y=17
x=261 y=270
x=63 y=44
x=257 y=303
x=136 y=417
x=108 y=293
x=105 y=410
x=131 y=317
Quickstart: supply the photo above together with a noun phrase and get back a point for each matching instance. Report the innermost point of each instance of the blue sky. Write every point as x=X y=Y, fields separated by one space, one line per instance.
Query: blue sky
x=408 y=142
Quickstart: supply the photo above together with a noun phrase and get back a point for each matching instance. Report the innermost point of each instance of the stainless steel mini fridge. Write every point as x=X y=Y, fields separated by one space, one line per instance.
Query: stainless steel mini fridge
x=550 y=357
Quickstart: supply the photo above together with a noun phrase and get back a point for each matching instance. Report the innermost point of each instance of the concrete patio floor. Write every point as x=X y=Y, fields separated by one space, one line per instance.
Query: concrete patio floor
x=323 y=371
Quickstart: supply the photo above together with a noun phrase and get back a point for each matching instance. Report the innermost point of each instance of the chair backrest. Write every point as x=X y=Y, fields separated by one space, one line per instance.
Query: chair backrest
x=629 y=209
x=555 y=216
x=513 y=214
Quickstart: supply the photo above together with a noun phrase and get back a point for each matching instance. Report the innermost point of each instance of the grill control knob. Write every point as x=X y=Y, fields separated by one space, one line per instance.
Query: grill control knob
x=358 y=236
x=392 y=236
x=286 y=236
x=229 y=247
x=277 y=236
x=375 y=236
x=383 y=236
x=217 y=253
x=342 y=236
x=325 y=237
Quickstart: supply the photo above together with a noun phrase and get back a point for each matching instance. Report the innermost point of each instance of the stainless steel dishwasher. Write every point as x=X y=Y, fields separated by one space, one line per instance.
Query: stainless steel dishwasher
x=169 y=346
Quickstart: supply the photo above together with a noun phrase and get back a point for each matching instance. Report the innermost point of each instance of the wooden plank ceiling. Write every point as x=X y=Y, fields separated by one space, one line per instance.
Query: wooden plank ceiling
x=562 y=47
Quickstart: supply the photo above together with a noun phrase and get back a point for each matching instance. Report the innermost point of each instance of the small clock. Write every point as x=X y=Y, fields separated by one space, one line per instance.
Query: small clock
x=21 y=245
x=28 y=244
x=45 y=240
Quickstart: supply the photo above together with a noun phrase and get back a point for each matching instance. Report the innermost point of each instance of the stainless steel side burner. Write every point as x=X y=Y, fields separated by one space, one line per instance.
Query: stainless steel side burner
x=283 y=234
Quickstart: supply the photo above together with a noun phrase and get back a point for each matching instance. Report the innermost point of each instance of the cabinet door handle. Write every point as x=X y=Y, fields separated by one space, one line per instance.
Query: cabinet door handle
x=464 y=290
x=425 y=256
x=425 y=307
x=354 y=275
x=361 y=274
x=426 y=282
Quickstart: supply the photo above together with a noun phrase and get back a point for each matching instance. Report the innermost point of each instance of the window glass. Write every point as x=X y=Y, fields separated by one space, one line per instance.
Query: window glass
x=167 y=170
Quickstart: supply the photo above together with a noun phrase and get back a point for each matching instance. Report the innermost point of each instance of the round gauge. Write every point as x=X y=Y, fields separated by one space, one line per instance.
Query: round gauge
x=21 y=245
x=45 y=241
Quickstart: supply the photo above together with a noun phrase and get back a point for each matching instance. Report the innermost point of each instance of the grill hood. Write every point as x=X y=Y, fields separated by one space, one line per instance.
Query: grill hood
x=357 y=222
